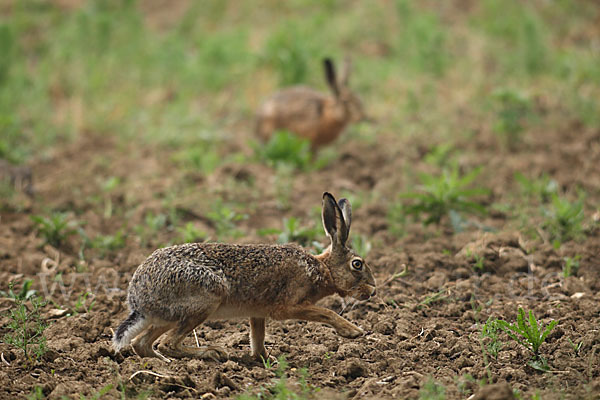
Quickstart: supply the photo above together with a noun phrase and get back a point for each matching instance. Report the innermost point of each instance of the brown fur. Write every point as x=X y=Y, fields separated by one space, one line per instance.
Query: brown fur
x=311 y=114
x=179 y=287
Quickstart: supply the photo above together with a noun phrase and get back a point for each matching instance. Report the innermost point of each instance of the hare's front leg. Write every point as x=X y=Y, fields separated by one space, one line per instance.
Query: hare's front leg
x=319 y=314
x=257 y=338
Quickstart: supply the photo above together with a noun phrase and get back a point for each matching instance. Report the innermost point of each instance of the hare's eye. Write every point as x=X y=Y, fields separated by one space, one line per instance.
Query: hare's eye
x=357 y=264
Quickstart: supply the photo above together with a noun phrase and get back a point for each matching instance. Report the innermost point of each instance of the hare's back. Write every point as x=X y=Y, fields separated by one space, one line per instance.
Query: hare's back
x=179 y=270
x=298 y=109
x=219 y=270
x=222 y=262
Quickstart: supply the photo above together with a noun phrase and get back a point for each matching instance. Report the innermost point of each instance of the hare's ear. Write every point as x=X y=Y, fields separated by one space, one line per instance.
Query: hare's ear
x=330 y=76
x=346 y=68
x=333 y=221
x=346 y=212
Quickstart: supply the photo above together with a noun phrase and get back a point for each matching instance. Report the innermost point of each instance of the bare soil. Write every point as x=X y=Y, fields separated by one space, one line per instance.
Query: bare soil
x=425 y=325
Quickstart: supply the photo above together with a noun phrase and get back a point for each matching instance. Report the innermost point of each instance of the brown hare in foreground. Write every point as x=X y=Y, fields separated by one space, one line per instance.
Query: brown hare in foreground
x=179 y=287
x=311 y=114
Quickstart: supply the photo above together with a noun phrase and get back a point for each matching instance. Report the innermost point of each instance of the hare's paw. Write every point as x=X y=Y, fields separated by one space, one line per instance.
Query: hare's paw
x=207 y=353
x=350 y=332
x=215 y=353
x=259 y=354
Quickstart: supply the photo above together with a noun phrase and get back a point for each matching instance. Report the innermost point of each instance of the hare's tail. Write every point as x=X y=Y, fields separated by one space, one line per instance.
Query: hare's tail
x=129 y=329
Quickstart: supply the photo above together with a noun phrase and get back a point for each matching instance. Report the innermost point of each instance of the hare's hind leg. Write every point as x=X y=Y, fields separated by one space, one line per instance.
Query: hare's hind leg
x=142 y=345
x=171 y=346
x=257 y=338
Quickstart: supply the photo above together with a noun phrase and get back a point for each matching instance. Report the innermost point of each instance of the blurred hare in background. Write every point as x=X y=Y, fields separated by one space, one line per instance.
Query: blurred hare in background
x=311 y=114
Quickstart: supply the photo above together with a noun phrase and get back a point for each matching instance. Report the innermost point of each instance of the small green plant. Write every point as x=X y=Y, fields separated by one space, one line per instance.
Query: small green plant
x=283 y=184
x=285 y=148
x=423 y=43
x=56 y=228
x=267 y=363
x=575 y=346
x=432 y=390
x=98 y=394
x=462 y=384
x=478 y=261
x=130 y=392
x=293 y=232
x=107 y=187
x=542 y=188
x=287 y=52
x=563 y=219
x=153 y=223
x=225 y=220
x=433 y=298
x=439 y=155
x=26 y=328
x=37 y=393
x=279 y=390
x=396 y=217
x=489 y=334
x=571 y=265
x=512 y=109
x=80 y=306
x=528 y=332
x=108 y=243
x=203 y=156
x=361 y=245
x=189 y=233
x=444 y=193
x=24 y=294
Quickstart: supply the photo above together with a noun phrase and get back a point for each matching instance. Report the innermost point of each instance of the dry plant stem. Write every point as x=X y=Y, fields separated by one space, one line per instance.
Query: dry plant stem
x=397 y=276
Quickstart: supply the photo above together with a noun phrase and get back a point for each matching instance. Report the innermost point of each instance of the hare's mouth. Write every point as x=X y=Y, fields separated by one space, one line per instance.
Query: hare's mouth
x=366 y=293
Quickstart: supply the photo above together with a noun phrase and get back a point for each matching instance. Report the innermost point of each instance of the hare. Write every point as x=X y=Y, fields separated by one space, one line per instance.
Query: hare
x=179 y=287
x=311 y=114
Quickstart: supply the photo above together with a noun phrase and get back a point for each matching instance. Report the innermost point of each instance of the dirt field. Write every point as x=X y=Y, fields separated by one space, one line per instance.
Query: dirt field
x=409 y=339
x=423 y=328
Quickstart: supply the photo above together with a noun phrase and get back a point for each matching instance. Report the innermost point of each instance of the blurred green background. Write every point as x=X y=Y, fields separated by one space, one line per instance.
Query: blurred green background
x=182 y=73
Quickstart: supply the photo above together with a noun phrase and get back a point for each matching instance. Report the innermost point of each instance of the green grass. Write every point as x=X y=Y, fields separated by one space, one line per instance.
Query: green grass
x=24 y=294
x=432 y=390
x=287 y=149
x=293 y=231
x=439 y=195
x=513 y=110
x=56 y=228
x=279 y=388
x=563 y=219
x=489 y=336
x=571 y=265
x=153 y=224
x=26 y=328
x=108 y=244
x=225 y=219
x=539 y=190
x=189 y=233
x=100 y=68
